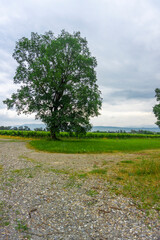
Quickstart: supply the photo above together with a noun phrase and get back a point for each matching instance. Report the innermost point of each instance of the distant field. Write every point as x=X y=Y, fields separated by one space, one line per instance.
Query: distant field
x=96 y=146
x=42 y=134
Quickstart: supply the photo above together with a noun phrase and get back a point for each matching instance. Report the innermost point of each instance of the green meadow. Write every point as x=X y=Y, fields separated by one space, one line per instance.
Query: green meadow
x=95 y=146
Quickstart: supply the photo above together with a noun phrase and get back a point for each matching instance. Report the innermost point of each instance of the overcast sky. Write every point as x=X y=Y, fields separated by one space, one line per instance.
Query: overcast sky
x=123 y=35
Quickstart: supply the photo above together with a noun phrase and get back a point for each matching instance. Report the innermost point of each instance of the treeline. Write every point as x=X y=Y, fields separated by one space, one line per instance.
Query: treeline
x=45 y=134
x=20 y=128
x=132 y=131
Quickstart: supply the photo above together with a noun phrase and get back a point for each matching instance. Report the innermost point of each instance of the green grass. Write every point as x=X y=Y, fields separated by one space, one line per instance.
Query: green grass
x=98 y=171
x=139 y=180
x=127 y=161
x=23 y=172
x=91 y=192
x=1 y=169
x=21 y=226
x=147 y=167
x=4 y=218
x=95 y=146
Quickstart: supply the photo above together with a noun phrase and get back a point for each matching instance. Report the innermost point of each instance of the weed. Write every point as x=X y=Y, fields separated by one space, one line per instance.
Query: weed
x=54 y=170
x=38 y=166
x=27 y=158
x=157 y=208
x=8 y=184
x=149 y=227
x=114 y=188
x=104 y=163
x=83 y=175
x=21 y=226
x=1 y=167
x=131 y=174
x=4 y=218
x=127 y=161
x=71 y=182
x=17 y=171
x=24 y=172
x=119 y=178
x=6 y=223
x=11 y=179
x=123 y=171
x=30 y=176
x=95 y=166
x=78 y=185
x=91 y=192
x=17 y=212
x=98 y=171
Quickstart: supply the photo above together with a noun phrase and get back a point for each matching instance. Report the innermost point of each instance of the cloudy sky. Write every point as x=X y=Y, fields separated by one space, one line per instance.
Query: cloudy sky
x=123 y=35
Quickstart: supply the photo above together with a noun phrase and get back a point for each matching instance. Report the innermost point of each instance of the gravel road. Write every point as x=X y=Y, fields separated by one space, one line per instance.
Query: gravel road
x=40 y=198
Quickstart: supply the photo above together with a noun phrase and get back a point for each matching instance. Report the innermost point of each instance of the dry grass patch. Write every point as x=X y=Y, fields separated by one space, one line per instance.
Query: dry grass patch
x=139 y=179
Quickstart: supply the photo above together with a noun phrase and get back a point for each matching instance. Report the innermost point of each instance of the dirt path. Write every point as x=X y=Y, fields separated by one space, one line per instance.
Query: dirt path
x=41 y=199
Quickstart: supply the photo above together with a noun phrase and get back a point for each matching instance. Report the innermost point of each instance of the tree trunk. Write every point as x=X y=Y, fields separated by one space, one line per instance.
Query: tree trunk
x=53 y=135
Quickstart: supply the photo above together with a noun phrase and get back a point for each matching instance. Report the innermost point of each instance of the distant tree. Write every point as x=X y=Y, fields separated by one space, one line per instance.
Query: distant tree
x=14 y=128
x=58 y=81
x=156 y=108
x=20 y=128
x=5 y=127
x=38 y=129
x=26 y=128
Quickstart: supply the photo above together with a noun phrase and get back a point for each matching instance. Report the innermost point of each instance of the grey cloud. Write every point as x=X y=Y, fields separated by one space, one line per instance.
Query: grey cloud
x=8 y=121
x=131 y=94
x=116 y=97
x=123 y=37
x=2 y=106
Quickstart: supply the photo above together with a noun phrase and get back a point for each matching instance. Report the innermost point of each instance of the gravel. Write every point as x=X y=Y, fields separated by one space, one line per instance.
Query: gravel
x=40 y=200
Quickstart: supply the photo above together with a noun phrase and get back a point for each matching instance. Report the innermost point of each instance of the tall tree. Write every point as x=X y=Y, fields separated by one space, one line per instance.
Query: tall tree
x=156 y=108
x=57 y=81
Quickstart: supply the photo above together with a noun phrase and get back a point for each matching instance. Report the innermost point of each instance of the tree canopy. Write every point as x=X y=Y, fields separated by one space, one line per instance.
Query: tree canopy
x=57 y=81
x=156 y=108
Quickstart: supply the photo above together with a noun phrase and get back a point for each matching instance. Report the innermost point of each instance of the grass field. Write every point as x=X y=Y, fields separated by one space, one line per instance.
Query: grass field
x=95 y=146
